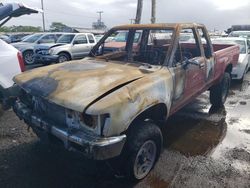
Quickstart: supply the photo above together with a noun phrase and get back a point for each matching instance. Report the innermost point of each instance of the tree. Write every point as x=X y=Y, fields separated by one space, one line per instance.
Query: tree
x=58 y=27
x=20 y=28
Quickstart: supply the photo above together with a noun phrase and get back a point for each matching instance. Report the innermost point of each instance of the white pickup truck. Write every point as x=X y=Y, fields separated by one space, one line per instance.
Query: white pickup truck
x=11 y=61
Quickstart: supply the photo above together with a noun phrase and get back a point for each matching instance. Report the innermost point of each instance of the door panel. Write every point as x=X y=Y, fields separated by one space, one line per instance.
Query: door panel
x=80 y=46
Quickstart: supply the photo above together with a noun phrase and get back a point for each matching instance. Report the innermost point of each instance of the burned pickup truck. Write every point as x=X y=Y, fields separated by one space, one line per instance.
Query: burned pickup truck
x=111 y=104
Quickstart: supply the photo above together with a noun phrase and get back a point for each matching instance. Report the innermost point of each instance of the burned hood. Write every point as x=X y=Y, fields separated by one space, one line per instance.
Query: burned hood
x=76 y=84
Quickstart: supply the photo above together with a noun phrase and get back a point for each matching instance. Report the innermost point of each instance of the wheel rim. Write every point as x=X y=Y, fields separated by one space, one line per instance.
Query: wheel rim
x=28 y=57
x=62 y=58
x=145 y=159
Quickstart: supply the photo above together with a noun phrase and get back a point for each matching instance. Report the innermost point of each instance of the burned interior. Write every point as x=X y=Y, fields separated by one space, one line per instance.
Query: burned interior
x=149 y=45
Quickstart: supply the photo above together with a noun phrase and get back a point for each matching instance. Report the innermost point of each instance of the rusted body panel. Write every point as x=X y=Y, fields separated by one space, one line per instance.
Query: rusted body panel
x=111 y=91
x=74 y=85
x=128 y=102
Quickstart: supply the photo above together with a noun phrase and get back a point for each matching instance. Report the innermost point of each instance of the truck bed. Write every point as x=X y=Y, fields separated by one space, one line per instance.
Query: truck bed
x=225 y=54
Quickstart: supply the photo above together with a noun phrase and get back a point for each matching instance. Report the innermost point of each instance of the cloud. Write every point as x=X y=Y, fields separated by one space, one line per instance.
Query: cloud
x=230 y=4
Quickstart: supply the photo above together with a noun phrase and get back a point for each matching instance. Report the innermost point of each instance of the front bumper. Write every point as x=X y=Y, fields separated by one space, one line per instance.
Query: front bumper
x=46 y=58
x=92 y=146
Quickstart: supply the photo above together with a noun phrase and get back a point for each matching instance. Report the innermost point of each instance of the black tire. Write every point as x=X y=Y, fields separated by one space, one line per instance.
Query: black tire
x=139 y=135
x=28 y=57
x=63 y=57
x=1 y=109
x=219 y=92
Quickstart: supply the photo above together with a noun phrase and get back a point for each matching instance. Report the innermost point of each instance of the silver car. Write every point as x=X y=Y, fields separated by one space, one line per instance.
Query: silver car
x=68 y=47
x=26 y=46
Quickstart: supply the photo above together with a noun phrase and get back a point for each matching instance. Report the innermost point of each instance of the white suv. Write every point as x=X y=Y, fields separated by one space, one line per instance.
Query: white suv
x=68 y=47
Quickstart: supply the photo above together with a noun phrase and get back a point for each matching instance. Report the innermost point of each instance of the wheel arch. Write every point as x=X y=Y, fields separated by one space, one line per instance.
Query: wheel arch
x=155 y=113
x=65 y=52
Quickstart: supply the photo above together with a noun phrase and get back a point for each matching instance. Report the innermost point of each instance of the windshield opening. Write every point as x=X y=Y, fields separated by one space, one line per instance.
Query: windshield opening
x=32 y=38
x=148 y=46
x=122 y=37
x=65 y=39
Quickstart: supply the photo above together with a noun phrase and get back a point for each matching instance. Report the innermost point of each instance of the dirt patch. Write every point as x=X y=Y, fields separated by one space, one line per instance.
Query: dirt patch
x=238 y=154
x=199 y=171
x=13 y=131
x=233 y=120
x=233 y=102
x=243 y=102
x=245 y=131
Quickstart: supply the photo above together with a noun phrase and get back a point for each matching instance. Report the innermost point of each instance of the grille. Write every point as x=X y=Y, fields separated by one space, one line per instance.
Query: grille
x=42 y=52
x=44 y=109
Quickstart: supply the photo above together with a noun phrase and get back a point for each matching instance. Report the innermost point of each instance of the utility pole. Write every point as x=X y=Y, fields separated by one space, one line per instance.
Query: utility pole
x=100 y=15
x=43 y=16
x=139 y=11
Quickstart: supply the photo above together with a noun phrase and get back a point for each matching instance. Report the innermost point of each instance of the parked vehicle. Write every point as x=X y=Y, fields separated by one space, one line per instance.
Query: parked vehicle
x=5 y=38
x=240 y=28
x=17 y=37
x=111 y=104
x=11 y=59
x=244 y=34
x=98 y=37
x=26 y=46
x=68 y=47
x=119 y=41
x=243 y=65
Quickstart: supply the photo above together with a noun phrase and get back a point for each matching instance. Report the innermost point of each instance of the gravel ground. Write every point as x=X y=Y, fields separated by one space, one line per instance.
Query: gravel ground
x=203 y=148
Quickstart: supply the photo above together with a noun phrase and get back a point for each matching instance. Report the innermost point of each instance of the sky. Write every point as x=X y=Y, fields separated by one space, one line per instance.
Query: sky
x=215 y=14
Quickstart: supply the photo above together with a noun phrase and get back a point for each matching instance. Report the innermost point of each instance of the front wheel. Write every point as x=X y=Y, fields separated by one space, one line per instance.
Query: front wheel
x=28 y=57
x=143 y=148
x=63 y=57
x=219 y=92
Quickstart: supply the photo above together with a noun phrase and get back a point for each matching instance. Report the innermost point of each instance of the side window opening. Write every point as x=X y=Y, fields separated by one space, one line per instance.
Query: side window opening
x=188 y=46
x=148 y=46
x=80 y=39
x=154 y=49
x=91 y=39
x=205 y=42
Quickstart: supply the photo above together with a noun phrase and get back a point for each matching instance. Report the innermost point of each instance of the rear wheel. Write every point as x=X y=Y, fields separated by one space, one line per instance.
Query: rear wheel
x=63 y=57
x=142 y=150
x=28 y=57
x=219 y=92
